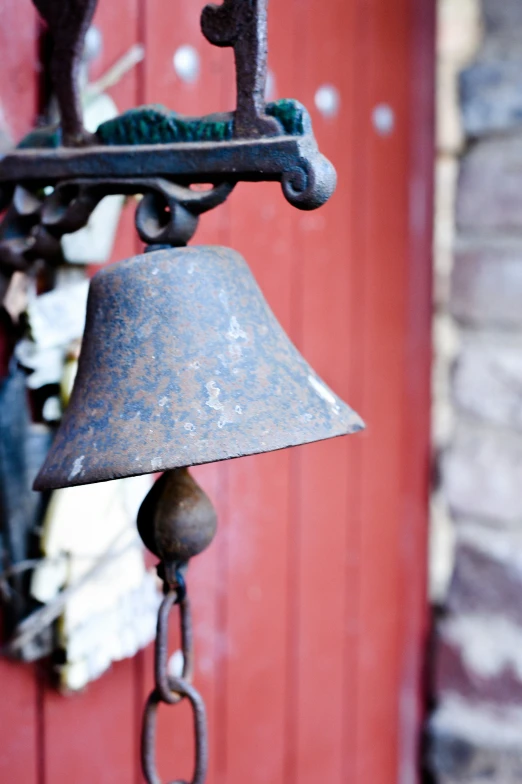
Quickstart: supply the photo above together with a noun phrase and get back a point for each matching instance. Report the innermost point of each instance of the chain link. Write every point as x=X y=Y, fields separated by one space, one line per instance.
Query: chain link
x=171 y=690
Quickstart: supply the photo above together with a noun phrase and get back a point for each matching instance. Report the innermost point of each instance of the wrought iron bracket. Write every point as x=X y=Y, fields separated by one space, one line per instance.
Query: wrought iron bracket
x=52 y=182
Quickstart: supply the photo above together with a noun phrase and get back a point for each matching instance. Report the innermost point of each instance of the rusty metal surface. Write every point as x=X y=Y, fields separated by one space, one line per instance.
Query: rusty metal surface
x=161 y=650
x=184 y=363
x=171 y=690
x=167 y=214
x=176 y=520
x=307 y=177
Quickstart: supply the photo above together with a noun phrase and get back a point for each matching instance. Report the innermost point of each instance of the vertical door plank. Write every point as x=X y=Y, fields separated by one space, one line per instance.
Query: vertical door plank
x=259 y=506
x=328 y=566
x=92 y=736
x=414 y=622
x=261 y=495
x=18 y=66
x=21 y=755
x=359 y=150
x=120 y=26
x=387 y=274
x=20 y=718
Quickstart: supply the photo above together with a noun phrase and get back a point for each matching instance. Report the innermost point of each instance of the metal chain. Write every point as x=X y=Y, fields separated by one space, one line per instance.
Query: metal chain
x=171 y=690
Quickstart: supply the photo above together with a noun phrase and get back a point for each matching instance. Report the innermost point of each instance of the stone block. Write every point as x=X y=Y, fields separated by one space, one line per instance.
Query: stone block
x=486 y=286
x=489 y=194
x=482 y=475
x=484 y=585
x=501 y=17
x=487 y=380
x=477 y=742
x=459 y=762
x=479 y=656
x=491 y=97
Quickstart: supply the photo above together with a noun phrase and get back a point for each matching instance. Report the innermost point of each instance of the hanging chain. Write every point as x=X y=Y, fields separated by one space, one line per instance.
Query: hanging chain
x=171 y=690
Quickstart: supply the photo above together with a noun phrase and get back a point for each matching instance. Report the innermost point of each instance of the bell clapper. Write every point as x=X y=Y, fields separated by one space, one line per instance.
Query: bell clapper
x=176 y=521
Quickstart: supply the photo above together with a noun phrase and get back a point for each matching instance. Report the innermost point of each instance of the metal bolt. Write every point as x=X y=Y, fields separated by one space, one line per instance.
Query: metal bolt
x=383 y=119
x=327 y=100
x=186 y=63
x=93 y=44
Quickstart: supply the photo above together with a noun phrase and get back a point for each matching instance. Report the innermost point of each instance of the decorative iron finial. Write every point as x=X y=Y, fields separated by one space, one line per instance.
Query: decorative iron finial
x=244 y=27
x=68 y=21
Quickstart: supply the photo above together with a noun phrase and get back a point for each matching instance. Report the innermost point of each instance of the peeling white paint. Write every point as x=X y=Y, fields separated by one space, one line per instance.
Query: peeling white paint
x=77 y=467
x=238 y=410
x=491 y=726
x=186 y=63
x=213 y=396
x=327 y=100
x=235 y=331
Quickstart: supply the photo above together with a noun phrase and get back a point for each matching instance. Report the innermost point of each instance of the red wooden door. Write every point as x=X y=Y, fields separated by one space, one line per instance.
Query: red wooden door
x=310 y=605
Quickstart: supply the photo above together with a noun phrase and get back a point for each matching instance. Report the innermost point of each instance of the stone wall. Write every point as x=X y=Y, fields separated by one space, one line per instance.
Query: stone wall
x=476 y=731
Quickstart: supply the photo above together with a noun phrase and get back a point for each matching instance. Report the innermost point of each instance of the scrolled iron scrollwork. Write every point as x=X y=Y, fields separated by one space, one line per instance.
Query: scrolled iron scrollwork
x=310 y=183
x=167 y=214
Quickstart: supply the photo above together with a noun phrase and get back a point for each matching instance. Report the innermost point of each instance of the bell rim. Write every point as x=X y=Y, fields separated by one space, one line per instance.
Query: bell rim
x=40 y=485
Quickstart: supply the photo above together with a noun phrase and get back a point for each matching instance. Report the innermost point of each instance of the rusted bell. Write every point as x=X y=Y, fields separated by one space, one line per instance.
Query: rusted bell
x=184 y=363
